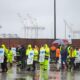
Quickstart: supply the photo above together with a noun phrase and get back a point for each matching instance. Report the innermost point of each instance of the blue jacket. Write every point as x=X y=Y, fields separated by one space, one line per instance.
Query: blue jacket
x=64 y=54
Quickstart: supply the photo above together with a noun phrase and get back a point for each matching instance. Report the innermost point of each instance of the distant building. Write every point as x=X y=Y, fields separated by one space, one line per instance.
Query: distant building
x=9 y=36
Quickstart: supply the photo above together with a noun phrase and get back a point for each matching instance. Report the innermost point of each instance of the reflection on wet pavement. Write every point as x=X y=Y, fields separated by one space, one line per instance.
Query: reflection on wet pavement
x=12 y=74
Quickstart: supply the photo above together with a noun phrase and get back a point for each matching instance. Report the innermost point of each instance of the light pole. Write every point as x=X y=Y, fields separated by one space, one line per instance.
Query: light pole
x=0 y=26
x=54 y=19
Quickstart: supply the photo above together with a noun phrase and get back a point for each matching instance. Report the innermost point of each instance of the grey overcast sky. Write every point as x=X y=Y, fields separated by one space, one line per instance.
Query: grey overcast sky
x=43 y=12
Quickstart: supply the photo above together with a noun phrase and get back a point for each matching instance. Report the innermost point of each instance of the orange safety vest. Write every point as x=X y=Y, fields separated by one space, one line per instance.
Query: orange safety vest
x=57 y=52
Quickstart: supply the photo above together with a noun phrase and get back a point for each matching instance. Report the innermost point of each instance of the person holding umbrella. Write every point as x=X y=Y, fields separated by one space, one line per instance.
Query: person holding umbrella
x=64 y=55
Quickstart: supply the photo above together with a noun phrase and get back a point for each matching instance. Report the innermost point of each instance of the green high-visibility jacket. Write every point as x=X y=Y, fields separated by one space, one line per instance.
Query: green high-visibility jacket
x=68 y=49
x=10 y=56
x=73 y=54
x=28 y=51
x=47 y=50
x=36 y=55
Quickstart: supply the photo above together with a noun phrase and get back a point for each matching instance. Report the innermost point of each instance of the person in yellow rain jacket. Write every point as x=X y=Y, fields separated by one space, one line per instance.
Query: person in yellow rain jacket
x=35 y=60
x=72 y=55
x=28 y=51
x=47 y=56
x=29 y=48
x=42 y=57
x=10 y=56
x=4 y=64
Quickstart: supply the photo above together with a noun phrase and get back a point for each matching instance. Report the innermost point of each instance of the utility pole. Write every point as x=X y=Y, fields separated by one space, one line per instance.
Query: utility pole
x=54 y=19
x=0 y=26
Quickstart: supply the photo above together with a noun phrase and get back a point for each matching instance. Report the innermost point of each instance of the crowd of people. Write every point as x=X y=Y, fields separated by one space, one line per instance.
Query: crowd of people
x=7 y=58
x=31 y=56
x=65 y=56
x=28 y=58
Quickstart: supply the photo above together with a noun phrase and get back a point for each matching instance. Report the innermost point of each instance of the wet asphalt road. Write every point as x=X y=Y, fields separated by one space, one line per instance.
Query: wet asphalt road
x=13 y=74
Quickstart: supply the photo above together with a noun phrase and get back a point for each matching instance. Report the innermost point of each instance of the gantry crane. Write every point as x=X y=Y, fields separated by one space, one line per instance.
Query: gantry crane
x=34 y=26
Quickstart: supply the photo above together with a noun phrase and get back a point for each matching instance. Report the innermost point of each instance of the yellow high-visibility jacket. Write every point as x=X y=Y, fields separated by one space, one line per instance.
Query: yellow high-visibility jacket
x=73 y=53
x=36 y=53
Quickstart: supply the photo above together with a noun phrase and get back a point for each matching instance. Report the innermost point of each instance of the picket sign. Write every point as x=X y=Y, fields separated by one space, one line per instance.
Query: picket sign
x=13 y=49
x=77 y=59
x=42 y=56
x=1 y=55
x=30 y=58
x=29 y=61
